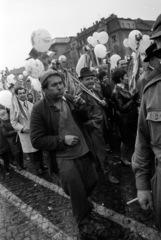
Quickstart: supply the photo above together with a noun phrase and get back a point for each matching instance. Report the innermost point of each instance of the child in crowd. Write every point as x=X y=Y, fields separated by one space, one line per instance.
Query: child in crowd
x=12 y=138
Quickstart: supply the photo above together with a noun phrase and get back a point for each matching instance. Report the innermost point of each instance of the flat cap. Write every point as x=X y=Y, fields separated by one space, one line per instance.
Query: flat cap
x=156 y=28
x=49 y=73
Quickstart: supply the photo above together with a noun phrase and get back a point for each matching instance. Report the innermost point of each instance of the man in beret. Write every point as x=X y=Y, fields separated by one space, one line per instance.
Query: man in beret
x=147 y=155
x=57 y=127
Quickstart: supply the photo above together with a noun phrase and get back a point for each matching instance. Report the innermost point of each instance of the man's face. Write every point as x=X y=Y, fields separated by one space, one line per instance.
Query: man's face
x=88 y=82
x=30 y=98
x=55 y=88
x=21 y=94
x=122 y=64
x=125 y=79
x=105 y=80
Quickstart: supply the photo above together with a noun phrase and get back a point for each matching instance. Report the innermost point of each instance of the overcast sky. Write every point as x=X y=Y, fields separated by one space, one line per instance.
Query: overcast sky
x=62 y=18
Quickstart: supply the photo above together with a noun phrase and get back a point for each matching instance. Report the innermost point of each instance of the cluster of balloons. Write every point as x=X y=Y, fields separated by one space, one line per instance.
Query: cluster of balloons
x=41 y=40
x=97 y=41
x=11 y=79
x=113 y=60
x=62 y=58
x=136 y=41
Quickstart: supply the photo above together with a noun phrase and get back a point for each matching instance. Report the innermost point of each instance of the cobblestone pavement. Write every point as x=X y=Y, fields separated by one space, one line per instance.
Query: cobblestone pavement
x=16 y=226
x=57 y=209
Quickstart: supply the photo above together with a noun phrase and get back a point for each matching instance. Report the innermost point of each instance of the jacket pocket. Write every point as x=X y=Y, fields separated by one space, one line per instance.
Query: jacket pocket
x=154 y=121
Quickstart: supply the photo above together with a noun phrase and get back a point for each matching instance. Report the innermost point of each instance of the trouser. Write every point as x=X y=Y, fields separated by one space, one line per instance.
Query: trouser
x=18 y=157
x=156 y=189
x=100 y=147
x=36 y=159
x=6 y=159
x=78 y=178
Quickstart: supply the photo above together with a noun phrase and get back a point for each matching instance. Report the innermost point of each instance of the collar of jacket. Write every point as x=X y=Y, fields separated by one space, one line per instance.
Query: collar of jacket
x=50 y=102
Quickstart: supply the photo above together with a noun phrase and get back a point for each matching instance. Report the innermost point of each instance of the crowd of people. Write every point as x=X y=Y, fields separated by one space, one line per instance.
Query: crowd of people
x=76 y=132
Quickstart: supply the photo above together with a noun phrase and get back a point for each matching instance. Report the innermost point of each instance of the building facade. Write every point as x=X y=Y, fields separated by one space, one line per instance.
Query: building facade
x=117 y=28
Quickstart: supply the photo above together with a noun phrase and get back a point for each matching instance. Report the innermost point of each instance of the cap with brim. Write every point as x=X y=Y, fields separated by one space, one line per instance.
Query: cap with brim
x=156 y=33
x=86 y=72
x=49 y=73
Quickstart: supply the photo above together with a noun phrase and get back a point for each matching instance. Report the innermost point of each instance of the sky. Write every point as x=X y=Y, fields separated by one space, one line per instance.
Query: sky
x=61 y=18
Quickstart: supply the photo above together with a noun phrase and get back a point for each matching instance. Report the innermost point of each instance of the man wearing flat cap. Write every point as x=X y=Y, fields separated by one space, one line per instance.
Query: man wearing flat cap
x=97 y=124
x=146 y=160
x=57 y=127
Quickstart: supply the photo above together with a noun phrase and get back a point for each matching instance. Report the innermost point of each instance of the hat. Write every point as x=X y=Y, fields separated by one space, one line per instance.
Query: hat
x=2 y=111
x=150 y=52
x=85 y=72
x=156 y=28
x=49 y=73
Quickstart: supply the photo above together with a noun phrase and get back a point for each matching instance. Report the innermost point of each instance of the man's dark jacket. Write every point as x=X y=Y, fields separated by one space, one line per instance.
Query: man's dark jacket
x=44 y=129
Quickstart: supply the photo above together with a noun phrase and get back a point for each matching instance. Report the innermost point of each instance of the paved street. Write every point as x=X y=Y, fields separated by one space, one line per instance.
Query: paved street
x=32 y=210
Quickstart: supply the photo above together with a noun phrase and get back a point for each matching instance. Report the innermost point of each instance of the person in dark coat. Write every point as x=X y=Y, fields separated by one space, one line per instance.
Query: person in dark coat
x=12 y=138
x=125 y=112
x=56 y=127
x=5 y=152
x=98 y=122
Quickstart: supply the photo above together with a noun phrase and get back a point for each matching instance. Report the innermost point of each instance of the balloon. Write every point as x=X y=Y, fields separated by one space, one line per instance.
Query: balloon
x=94 y=42
x=144 y=43
x=133 y=55
x=34 y=68
x=11 y=79
x=80 y=64
x=89 y=40
x=35 y=84
x=100 y=51
x=62 y=58
x=95 y=35
x=41 y=40
x=134 y=38
x=103 y=37
x=25 y=73
x=113 y=59
x=20 y=77
x=5 y=98
x=126 y=42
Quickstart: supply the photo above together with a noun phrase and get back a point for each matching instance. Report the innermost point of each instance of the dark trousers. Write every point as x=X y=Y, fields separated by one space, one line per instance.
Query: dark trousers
x=36 y=159
x=78 y=178
x=100 y=147
x=5 y=157
x=156 y=189
x=18 y=157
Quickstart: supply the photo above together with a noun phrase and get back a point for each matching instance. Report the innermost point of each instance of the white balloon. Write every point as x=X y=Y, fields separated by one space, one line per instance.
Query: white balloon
x=126 y=42
x=11 y=79
x=80 y=64
x=90 y=39
x=144 y=43
x=94 y=42
x=36 y=85
x=113 y=60
x=100 y=51
x=62 y=58
x=20 y=76
x=133 y=55
x=103 y=37
x=134 y=37
x=34 y=68
x=5 y=98
x=25 y=73
x=95 y=35
x=41 y=40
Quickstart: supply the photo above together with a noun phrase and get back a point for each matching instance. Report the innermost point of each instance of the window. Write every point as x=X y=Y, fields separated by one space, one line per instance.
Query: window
x=114 y=39
x=128 y=25
x=122 y=24
x=116 y=49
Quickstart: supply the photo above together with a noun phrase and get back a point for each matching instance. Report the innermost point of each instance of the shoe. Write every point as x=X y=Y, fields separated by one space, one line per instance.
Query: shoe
x=9 y=169
x=125 y=162
x=39 y=172
x=112 y=179
x=90 y=205
x=91 y=229
x=44 y=168
x=23 y=167
x=109 y=150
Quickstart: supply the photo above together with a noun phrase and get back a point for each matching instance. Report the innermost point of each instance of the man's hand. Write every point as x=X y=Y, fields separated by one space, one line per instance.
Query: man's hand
x=103 y=103
x=79 y=101
x=25 y=130
x=145 y=199
x=71 y=140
